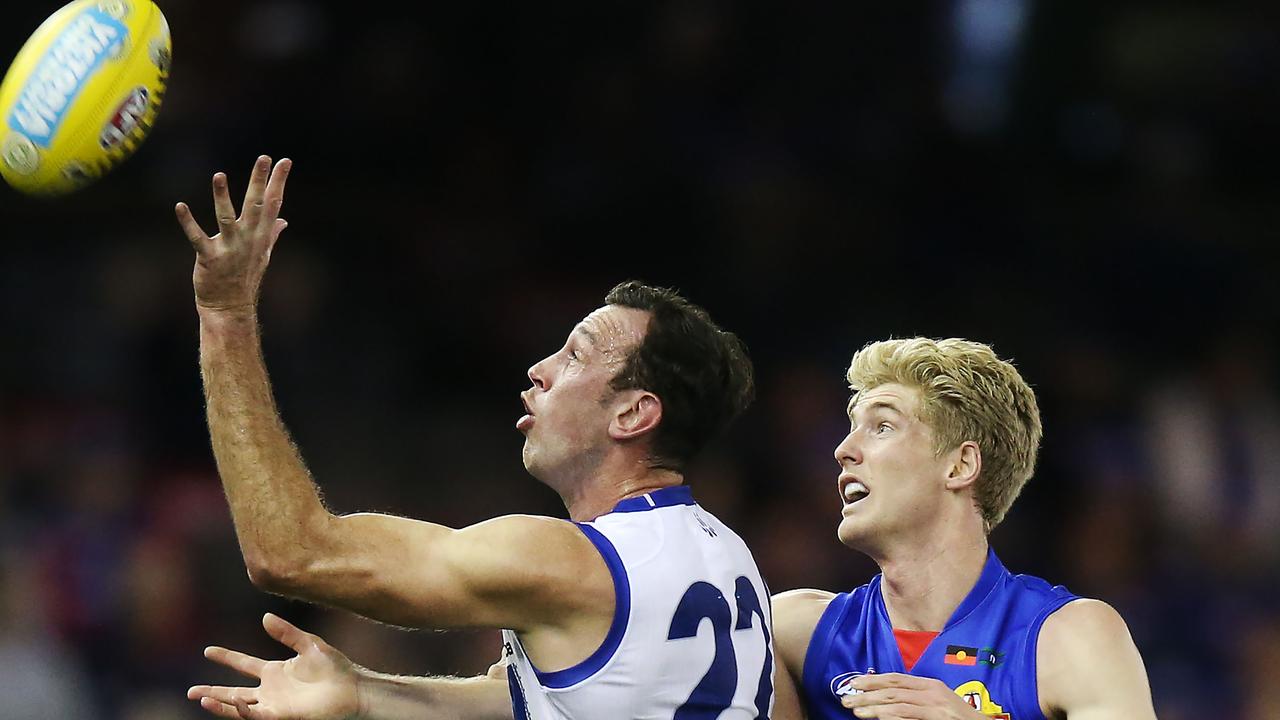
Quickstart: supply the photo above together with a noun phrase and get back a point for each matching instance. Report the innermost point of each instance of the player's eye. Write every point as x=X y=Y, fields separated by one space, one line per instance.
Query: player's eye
x=883 y=427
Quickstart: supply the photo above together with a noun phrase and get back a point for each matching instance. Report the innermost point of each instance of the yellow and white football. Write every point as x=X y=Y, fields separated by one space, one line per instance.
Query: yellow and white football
x=82 y=94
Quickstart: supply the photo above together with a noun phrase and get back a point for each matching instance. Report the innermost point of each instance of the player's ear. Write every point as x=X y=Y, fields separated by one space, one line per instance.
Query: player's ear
x=639 y=412
x=965 y=464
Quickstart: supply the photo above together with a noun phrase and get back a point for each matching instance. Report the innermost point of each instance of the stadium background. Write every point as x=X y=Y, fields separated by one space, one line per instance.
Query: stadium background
x=1089 y=186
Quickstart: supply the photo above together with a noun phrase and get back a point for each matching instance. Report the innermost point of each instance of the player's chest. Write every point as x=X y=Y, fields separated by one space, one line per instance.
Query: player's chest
x=974 y=665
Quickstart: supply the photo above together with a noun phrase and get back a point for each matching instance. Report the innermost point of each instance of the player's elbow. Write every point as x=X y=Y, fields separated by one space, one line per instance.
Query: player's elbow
x=292 y=565
x=274 y=575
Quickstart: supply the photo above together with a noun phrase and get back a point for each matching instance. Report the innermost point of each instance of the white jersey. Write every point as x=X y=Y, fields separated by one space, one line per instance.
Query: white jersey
x=692 y=627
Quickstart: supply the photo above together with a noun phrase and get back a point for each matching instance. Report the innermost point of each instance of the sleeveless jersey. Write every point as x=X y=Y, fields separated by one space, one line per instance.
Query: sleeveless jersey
x=986 y=652
x=692 y=627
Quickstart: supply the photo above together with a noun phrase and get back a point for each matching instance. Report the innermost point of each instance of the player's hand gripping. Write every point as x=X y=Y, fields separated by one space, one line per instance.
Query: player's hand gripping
x=897 y=696
x=319 y=683
x=230 y=265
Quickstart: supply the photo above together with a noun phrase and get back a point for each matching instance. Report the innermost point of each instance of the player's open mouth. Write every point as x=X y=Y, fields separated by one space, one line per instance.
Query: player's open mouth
x=526 y=421
x=851 y=491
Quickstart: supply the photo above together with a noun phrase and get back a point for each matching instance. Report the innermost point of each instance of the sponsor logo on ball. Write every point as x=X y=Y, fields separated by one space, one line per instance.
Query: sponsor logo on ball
x=61 y=74
x=125 y=120
x=20 y=154
x=78 y=174
x=160 y=54
x=117 y=9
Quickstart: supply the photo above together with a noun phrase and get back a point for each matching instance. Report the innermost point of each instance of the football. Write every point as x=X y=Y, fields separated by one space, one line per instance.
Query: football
x=82 y=94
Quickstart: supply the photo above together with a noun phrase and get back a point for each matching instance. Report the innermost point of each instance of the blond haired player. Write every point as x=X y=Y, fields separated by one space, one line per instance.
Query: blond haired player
x=943 y=436
x=643 y=606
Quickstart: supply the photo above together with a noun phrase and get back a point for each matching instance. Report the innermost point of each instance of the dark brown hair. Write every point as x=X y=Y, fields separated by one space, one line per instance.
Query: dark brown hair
x=701 y=373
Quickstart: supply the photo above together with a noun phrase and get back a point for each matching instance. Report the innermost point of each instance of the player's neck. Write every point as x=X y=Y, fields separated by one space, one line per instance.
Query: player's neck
x=612 y=483
x=923 y=584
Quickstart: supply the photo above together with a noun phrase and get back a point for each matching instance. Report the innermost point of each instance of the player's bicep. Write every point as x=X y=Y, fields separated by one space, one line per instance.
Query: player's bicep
x=1088 y=668
x=795 y=615
x=505 y=572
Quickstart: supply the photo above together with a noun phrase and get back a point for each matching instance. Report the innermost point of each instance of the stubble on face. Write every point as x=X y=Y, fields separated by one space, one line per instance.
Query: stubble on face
x=570 y=433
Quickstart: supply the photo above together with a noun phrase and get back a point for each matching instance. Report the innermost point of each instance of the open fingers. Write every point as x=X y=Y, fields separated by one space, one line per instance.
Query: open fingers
x=248 y=711
x=220 y=709
x=230 y=702
x=195 y=234
x=222 y=693
x=252 y=208
x=281 y=224
x=222 y=207
x=274 y=197
x=238 y=661
x=287 y=633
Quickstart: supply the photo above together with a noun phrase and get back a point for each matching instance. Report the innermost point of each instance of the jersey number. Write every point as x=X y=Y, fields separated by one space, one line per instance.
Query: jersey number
x=714 y=693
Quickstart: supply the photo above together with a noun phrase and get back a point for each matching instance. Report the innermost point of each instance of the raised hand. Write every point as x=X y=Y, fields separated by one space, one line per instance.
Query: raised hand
x=897 y=696
x=230 y=265
x=319 y=683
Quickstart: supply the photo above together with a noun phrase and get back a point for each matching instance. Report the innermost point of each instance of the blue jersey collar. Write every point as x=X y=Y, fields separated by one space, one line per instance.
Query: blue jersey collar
x=666 y=497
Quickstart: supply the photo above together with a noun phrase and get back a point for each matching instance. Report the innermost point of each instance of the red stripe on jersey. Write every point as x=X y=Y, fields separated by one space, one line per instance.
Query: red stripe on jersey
x=912 y=644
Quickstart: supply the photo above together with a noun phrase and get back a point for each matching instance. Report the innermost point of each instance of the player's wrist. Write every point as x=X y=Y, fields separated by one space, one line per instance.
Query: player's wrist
x=224 y=313
x=362 y=692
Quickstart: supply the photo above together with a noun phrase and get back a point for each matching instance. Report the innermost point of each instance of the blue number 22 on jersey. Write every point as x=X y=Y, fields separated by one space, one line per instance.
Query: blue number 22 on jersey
x=714 y=693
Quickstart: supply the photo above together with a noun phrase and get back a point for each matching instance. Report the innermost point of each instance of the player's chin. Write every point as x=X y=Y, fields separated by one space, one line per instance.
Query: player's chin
x=852 y=531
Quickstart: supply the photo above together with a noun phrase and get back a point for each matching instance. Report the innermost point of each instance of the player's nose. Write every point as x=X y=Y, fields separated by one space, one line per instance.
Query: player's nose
x=537 y=376
x=848 y=451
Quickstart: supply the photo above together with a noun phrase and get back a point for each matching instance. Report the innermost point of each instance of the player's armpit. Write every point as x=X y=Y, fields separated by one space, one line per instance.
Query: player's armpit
x=519 y=572
x=1088 y=668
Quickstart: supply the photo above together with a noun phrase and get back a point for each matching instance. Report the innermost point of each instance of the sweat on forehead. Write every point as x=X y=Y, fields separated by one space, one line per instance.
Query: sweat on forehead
x=612 y=328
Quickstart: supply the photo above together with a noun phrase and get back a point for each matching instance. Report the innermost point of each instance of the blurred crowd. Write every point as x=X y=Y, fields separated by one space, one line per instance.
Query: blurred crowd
x=1088 y=186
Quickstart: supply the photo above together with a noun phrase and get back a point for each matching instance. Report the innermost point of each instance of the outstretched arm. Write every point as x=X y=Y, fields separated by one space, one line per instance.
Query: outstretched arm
x=320 y=683
x=511 y=572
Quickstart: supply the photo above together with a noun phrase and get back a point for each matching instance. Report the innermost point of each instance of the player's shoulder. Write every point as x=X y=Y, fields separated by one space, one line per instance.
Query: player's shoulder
x=802 y=600
x=517 y=527
x=1083 y=623
x=795 y=616
x=521 y=537
x=1076 y=640
x=1086 y=658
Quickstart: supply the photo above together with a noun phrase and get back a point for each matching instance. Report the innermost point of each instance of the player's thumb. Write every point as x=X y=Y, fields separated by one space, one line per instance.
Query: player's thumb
x=278 y=228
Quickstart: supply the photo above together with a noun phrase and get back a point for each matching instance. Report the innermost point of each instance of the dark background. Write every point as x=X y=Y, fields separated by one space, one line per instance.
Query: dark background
x=1089 y=186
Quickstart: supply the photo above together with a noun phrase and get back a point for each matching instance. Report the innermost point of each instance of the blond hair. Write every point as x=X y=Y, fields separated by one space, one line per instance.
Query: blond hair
x=967 y=393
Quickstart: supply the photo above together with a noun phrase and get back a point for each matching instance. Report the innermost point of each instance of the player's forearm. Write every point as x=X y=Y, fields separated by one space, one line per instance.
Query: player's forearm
x=274 y=503
x=391 y=697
